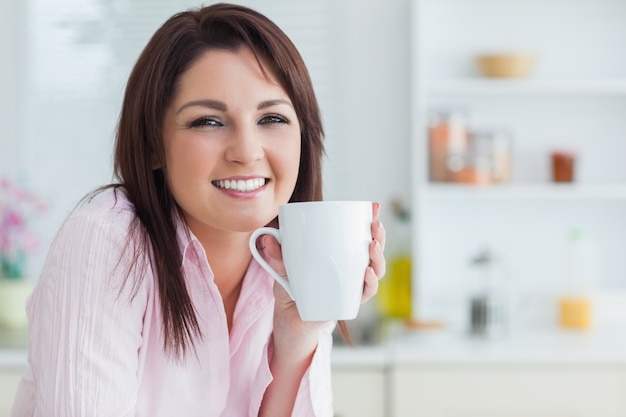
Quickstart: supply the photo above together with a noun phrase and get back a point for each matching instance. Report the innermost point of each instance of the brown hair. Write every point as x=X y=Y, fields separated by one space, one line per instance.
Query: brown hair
x=139 y=143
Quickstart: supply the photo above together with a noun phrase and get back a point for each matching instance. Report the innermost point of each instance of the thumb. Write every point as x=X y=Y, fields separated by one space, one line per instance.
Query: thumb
x=274 y=254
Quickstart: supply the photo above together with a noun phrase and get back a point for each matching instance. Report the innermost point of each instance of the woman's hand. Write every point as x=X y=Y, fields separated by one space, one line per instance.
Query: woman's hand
x=378 y=266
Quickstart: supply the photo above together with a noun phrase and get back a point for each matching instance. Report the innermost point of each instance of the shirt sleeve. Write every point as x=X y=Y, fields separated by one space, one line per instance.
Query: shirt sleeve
x=86 y=326
x=315 y=398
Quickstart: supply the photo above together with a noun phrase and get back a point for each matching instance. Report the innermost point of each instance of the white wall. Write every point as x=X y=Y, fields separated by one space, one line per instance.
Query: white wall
x=11 y=41
x=368 y=143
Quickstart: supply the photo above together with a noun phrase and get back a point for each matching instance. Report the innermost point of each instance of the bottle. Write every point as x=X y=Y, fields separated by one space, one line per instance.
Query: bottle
x=578 y=283
x=394 y=291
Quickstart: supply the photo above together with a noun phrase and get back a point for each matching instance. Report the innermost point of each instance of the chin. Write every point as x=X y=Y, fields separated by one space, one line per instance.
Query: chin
x=250 y=224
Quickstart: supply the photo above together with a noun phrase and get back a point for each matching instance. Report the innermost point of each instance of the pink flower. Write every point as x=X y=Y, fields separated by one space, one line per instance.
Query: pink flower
x=14 y=219
x=18 y=208
x=29 y=242
x=4 y=242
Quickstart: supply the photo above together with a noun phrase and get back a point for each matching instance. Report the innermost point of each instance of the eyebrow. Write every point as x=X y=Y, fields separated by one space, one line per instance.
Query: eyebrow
x=218 y=105
x=270 y=103
x=213 y=104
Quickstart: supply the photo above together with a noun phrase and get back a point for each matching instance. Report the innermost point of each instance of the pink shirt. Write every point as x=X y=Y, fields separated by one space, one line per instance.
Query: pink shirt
x=93 y=352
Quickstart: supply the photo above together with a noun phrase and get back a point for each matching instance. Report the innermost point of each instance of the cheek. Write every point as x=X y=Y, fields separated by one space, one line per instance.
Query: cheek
x=186 y=162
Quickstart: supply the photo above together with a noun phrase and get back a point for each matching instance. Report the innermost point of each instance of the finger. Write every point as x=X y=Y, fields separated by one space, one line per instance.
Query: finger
x=272 y=247
x=377 y=259
x=379 y=233
x=375 y=210
x=281 y=297
x=370 y=284
x=274 y=253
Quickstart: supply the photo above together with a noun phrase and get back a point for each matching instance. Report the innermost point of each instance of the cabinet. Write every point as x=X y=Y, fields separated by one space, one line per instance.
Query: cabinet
x=508 y=391
x=497 y=389
x=359 y=391
x=574 y=98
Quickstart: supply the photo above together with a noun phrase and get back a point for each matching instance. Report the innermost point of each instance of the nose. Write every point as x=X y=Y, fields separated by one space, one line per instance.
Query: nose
x=245 y=147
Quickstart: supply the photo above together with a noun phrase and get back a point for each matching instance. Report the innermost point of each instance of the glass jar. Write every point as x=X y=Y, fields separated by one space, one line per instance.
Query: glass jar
x=448 y=141
x=563 y=166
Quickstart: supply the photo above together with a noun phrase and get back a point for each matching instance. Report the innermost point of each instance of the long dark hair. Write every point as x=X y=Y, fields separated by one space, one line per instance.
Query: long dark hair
x=139 y=142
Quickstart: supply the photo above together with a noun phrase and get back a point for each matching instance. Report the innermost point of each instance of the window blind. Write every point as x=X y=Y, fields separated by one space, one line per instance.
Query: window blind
x=81 y=53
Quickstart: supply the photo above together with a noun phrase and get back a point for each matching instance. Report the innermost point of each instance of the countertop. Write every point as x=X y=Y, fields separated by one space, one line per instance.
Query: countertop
x=546 y=346
x=541 y=346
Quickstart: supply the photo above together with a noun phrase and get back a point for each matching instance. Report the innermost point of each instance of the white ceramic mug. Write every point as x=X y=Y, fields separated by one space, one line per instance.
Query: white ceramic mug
x=325 y=246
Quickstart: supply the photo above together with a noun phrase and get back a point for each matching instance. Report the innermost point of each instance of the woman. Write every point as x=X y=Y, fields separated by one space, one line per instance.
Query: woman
x=149 y=303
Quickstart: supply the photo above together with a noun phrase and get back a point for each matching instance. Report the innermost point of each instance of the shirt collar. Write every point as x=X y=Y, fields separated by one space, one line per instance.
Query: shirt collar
x=185 y=237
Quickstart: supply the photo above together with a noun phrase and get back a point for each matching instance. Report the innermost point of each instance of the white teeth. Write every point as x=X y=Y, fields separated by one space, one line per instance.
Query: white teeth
x=241 y=185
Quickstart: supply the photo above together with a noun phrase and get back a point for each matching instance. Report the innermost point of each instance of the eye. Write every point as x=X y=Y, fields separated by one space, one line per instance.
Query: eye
x=273 y=119
x=206 y=121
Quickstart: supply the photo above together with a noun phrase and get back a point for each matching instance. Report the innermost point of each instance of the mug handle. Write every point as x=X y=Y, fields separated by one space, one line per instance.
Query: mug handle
x=255 y=253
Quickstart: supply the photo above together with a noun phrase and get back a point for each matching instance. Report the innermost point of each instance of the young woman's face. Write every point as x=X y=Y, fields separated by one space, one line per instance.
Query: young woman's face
x=232 y=143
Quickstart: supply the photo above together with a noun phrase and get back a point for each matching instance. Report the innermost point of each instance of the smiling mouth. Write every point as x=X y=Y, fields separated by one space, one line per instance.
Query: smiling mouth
x=241 y=185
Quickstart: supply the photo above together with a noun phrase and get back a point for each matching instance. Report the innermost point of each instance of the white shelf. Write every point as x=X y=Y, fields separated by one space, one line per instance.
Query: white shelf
x=512 y=191
x=501 y=87
x=574 y=98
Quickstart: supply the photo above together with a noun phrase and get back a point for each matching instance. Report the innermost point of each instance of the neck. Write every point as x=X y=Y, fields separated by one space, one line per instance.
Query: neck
x=229 y=256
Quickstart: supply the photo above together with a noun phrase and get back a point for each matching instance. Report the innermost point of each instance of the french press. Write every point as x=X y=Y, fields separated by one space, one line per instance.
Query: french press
x=488 y=299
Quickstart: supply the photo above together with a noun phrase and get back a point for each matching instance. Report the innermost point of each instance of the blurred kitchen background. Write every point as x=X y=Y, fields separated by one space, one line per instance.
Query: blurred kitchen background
x=492 y=131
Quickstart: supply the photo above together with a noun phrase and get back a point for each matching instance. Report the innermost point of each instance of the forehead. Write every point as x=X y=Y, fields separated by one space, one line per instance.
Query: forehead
x=228 y=68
